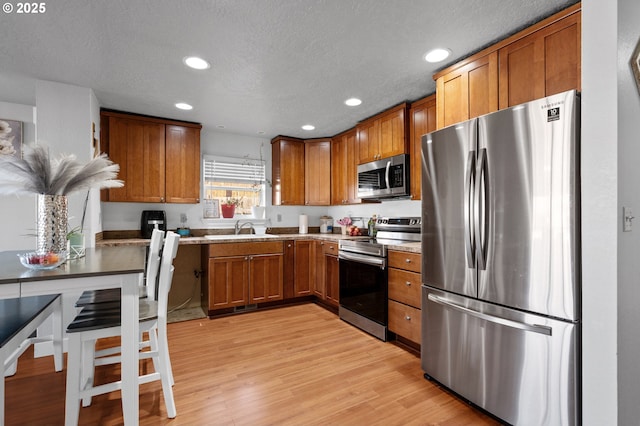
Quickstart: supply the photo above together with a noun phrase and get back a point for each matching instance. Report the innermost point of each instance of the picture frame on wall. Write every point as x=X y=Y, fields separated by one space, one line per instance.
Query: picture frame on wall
x=211 y=209
x=11 y=137
x=635 y=64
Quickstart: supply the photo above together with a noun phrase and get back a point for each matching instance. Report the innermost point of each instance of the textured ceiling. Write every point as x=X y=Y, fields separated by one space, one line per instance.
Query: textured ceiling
x=276 y=64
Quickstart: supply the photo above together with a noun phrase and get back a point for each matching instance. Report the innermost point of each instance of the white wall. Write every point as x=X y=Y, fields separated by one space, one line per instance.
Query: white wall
x=600 y=212
x=17 y=214
x=64 y=114
x=628 y=195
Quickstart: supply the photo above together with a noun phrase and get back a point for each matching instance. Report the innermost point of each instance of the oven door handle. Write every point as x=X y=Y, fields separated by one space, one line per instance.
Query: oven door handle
x=381 y=262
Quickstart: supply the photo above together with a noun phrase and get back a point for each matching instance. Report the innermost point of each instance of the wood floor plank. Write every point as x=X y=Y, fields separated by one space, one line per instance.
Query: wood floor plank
x=297 y=365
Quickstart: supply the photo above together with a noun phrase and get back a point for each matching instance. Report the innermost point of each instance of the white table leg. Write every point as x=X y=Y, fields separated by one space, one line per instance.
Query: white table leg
x=130 y=327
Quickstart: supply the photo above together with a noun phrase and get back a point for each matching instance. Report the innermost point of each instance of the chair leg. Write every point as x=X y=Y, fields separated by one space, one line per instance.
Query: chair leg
x=167 y=386
x=57 y=336
x=164 y=348
x=153 y=347
x=88 y=349
x=72 y=400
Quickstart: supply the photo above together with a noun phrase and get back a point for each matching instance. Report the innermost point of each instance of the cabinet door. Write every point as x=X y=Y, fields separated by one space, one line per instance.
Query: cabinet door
x=368 y=141
x=422 y=121
x=544 y=63
x=393 y=136
x=468 y=91
x=288 y=172
x=339 y=171
x=183 y=164
x=317 y=173
x=319 y=288
x=289 y=269
x=352 y=168
x=265 y=278
x=332 y=279
x=305 y=268
x=228 y=282
x=138 y=147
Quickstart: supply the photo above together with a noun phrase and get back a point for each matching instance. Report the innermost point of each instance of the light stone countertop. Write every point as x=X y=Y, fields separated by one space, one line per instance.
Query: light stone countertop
x=411 y=247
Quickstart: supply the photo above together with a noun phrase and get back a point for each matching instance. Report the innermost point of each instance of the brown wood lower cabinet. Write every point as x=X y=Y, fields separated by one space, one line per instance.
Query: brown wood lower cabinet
x=327 y=274
x=405 y=295
x=240 y=274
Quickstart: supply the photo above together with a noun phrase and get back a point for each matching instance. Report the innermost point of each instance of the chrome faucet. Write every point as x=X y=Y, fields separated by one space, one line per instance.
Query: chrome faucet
x=238 y=227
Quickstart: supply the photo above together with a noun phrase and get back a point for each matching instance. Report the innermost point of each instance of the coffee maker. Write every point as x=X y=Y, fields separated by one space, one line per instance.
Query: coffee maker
x=152 y=219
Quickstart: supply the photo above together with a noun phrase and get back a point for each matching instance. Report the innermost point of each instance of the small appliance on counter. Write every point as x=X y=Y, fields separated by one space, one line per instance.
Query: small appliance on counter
x=326 y=225
x=150 y=220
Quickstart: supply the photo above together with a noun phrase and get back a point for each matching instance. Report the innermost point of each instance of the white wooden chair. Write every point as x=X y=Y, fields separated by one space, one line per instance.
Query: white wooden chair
x=94 y=323
x=147 y=287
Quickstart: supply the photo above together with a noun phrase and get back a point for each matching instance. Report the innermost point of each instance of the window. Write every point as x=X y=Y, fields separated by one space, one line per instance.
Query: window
x=242 y=179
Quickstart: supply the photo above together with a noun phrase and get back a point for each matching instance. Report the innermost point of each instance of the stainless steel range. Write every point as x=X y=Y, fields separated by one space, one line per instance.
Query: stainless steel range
x=363 y=273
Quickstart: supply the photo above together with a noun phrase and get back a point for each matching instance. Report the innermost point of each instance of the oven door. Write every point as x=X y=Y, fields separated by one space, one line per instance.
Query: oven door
x=363 y=286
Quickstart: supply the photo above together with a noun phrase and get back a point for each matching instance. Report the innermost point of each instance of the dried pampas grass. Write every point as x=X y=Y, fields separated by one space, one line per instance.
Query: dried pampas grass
x=38 y=174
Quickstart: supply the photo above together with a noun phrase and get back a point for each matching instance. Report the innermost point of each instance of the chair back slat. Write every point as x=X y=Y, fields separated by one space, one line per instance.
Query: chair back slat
x=153 y=263
x=166 y=272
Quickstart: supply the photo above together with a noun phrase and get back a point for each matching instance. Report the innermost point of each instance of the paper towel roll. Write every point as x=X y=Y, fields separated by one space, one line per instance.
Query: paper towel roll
x=303 y=224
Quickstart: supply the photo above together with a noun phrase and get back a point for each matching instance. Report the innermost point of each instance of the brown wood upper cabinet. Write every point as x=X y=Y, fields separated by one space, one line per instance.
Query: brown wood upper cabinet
x=383 y=135
x=317 y=172
x=287 y=171
x=543 y=63
x=467 y=91
x=541 y=60
x=159 y=159
x=344 y=185
x=301 y=171
x=422 y=120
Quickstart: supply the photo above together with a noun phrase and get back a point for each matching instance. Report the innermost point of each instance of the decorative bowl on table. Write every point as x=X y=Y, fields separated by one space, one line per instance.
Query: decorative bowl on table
x=41 y=261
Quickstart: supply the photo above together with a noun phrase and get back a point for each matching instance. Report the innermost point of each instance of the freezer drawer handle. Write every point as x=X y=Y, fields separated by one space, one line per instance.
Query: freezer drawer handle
x=536 y=328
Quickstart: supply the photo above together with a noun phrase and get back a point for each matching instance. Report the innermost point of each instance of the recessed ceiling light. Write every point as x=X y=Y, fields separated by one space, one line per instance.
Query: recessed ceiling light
x=196 y=63
x=261 y=132
x=182 y=105
x=220 y=126
x=353 y=102
x=437 y=55
x=308 y=127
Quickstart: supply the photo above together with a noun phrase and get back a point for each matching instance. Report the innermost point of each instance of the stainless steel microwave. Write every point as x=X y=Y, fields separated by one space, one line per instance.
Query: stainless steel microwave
x=385 y=178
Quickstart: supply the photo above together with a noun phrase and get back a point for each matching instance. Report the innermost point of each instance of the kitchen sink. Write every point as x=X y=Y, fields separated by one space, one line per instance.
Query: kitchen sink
x=238 y=237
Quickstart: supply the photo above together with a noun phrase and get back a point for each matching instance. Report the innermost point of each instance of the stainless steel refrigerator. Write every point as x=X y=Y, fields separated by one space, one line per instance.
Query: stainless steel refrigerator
x=501 y=261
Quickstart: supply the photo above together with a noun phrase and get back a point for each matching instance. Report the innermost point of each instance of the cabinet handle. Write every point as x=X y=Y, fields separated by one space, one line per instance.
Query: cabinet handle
x=289 y=245
x=408 y=260
x=408 y=283
x=407 y=317
x=162 y=199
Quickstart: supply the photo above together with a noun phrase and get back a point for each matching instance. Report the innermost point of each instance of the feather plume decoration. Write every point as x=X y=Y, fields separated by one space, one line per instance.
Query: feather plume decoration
x=36 y=173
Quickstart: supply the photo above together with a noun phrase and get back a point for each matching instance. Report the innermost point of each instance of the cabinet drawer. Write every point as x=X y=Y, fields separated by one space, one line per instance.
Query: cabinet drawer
x=404 y=286
x=240 y=249
x=330 y=247
x=404 y=260
x=405 y=321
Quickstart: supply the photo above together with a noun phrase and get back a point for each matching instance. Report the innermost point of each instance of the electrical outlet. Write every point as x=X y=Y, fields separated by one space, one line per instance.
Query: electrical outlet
x=627 y=219
x=278 y=217
x=183 y=217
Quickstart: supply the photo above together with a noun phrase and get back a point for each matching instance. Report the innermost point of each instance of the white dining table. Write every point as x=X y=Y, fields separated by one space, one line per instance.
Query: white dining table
x=101 y=267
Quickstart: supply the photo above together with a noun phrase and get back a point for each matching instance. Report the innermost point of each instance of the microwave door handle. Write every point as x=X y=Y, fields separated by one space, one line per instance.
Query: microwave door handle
x=386 y=175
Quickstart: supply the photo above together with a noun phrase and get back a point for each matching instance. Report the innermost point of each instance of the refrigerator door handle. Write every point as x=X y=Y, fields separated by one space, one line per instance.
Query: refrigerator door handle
x=469 y=179
x=480 y=214
x=535 y=328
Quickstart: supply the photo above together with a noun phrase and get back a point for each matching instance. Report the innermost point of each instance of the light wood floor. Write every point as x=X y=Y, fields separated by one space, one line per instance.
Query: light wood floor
x=297 y=365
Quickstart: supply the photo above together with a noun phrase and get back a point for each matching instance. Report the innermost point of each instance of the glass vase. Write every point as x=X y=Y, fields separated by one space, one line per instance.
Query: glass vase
x=51 y=226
